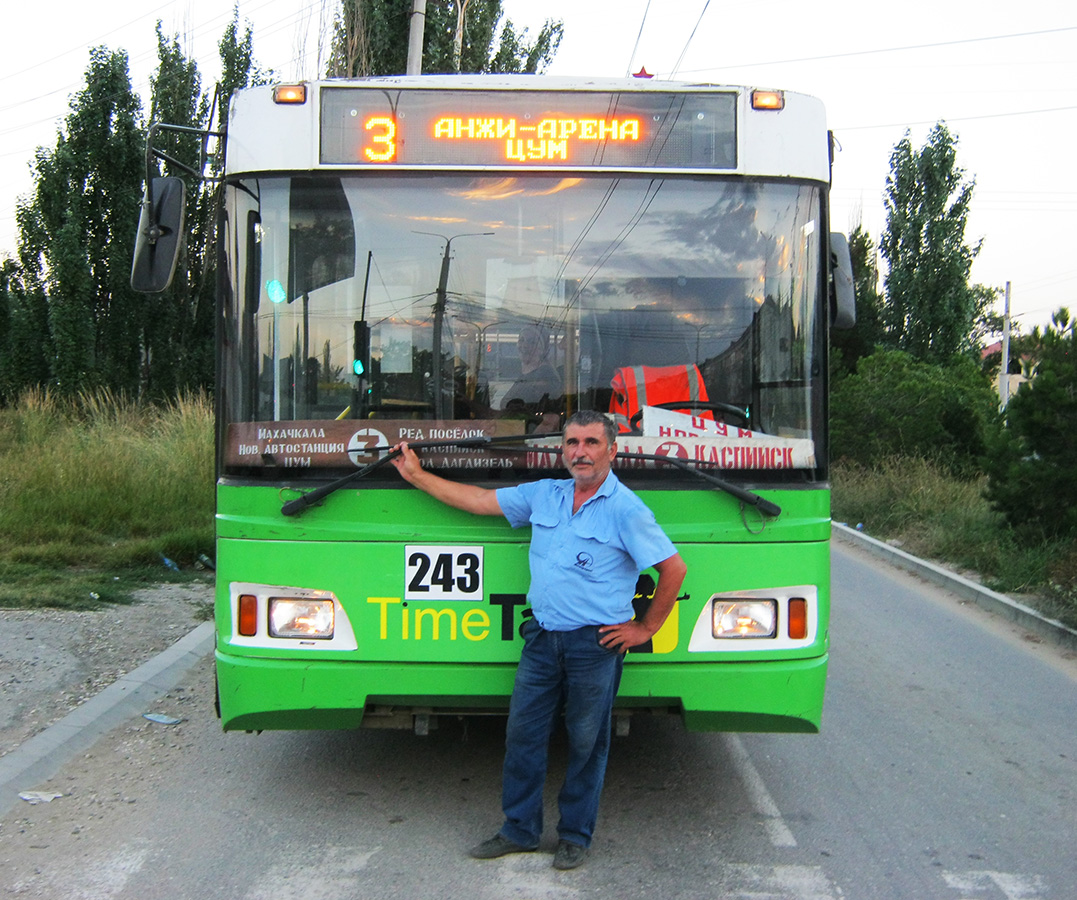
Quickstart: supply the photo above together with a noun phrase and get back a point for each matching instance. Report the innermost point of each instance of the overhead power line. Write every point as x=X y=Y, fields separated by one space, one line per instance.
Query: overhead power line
x=979 y=40
x=1001 y=115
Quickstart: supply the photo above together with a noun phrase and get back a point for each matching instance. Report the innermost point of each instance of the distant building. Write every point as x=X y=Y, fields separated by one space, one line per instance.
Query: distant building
x=1015 y=376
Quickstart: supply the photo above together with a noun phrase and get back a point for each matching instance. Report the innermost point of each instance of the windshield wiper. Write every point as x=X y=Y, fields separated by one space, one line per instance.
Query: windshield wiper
x=302 y=502
x=299 y=504
x=745 y=496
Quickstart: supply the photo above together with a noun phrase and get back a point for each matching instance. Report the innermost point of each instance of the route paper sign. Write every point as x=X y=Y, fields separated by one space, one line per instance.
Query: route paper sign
x=708 y=444
x=358 y=442
x=658 y=422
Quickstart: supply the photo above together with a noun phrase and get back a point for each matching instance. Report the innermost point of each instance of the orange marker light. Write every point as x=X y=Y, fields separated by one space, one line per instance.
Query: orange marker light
x=798 y=618
x=248 y=615
x=768 y=100
x=290 y=93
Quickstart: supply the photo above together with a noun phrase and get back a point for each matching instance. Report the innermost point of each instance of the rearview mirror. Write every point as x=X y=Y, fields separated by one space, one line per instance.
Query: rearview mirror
x=160 y=230
x=842 y=291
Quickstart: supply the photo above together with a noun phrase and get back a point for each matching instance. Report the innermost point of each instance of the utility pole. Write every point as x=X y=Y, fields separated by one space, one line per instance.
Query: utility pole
x=416 y=29
x=458 y=39
x=1004 y=374
x=441 y=408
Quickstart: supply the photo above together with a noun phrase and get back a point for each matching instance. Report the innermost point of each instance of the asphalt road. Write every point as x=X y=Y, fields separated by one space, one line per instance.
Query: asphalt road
x=946 y=770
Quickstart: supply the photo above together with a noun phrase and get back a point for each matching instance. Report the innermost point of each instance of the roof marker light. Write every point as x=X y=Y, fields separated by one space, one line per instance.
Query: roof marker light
x=768 y=100
x=290 y=93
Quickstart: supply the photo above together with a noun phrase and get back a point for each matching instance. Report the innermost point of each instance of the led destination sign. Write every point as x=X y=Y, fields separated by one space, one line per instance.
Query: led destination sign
x=365 y=127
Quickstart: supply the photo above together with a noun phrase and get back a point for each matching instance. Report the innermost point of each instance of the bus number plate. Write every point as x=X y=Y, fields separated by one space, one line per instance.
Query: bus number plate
x=442 y=573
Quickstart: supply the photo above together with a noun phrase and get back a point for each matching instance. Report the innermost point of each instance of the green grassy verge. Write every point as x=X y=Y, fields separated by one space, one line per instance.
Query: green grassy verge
x=96 y=492
x=935 y=516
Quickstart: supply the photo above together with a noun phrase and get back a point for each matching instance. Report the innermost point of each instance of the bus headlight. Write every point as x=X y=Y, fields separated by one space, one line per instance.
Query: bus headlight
x=744 y=618
x=291 y=617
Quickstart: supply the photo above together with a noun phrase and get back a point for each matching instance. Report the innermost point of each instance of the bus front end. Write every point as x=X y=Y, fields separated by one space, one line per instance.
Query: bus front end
x=462 y=264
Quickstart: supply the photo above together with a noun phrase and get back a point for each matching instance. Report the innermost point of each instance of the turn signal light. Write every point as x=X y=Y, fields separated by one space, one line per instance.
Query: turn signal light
x=248 y=615
x=798 y=618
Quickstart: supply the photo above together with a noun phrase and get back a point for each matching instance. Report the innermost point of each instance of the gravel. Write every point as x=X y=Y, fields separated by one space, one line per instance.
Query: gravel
x=52 y=660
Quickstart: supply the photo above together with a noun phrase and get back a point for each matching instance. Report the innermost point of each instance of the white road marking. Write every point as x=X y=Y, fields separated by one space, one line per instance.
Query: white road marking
x=529 y=875
x=778 y=883
x=327 y=876
x=762 y=802
x=107 y=877
x=1013 y=886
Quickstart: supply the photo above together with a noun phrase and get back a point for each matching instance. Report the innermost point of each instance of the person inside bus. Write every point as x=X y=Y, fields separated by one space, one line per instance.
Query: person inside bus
x=538 y=391
x=591 y=537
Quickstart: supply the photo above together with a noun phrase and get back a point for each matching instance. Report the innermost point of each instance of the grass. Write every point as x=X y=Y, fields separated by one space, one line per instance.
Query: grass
x=932 y=514
x=96 y=490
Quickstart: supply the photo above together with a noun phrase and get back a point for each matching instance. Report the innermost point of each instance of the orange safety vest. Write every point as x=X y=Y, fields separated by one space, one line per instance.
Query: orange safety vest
x=638 y=386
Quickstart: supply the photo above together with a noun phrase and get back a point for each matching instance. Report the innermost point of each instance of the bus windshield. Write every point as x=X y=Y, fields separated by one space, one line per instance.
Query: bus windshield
x=365 y=309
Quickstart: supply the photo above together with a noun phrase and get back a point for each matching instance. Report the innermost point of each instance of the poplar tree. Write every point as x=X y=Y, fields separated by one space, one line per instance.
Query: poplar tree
x=171 y=345
x=76 y=237
x=371 y=38
x=179 y=349
x=929 y=309
x=25 y=344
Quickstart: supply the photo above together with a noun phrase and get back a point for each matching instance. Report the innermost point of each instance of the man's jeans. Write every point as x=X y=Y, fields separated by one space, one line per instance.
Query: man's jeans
x=569 y=670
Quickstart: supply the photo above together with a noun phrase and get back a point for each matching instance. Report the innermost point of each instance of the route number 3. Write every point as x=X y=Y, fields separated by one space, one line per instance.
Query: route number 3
x=442 y=573
x=382 y=139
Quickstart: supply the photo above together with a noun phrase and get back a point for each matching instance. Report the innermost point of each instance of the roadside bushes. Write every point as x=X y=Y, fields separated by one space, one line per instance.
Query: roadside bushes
x=1032 y=462
x=898 y=406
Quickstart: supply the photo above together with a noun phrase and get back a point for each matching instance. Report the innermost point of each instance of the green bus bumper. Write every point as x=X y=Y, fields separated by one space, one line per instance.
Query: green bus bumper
x=255 y=694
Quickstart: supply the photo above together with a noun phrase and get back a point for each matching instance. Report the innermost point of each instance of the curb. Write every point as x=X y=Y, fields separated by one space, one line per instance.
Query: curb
x=985 y=598
x=43 y=755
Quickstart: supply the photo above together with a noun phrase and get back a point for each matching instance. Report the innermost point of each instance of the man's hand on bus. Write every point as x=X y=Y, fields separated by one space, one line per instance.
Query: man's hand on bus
x=468 y=497
x=407 y=462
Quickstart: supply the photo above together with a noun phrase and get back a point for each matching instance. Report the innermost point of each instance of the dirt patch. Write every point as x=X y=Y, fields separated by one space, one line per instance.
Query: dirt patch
x=52 y=660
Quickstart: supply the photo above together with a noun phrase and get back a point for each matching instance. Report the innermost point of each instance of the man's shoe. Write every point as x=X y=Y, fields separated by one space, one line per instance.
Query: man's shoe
x=498 y=845
x=569 y=855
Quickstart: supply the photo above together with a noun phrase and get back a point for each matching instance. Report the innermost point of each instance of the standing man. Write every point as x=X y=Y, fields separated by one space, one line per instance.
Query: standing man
x=590 y=539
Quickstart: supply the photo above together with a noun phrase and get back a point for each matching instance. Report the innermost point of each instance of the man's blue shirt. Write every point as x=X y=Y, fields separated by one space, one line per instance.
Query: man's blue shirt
x=584 y=566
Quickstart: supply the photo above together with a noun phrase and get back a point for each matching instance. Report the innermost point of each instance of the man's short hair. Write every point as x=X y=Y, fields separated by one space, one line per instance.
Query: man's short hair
x=585 y=417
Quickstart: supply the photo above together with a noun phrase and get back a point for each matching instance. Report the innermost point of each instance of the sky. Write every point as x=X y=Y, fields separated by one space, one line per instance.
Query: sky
x=1002 y=77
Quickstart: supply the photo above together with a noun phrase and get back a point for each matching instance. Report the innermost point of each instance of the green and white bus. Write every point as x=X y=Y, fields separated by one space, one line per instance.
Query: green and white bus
x=462 y=262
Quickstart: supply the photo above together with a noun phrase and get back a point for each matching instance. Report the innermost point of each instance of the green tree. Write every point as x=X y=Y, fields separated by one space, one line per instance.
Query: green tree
x=76 y=237
x=896 y=405
x=1032 y=466
x=25 y=344
x=929 y=310
x=68 y=316
x=173 y=353
x=371 y=38
x=239 y=69
x=179 y=351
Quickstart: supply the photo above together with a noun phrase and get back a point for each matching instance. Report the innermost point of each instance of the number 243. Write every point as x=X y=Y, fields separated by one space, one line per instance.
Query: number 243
x=440 y=572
